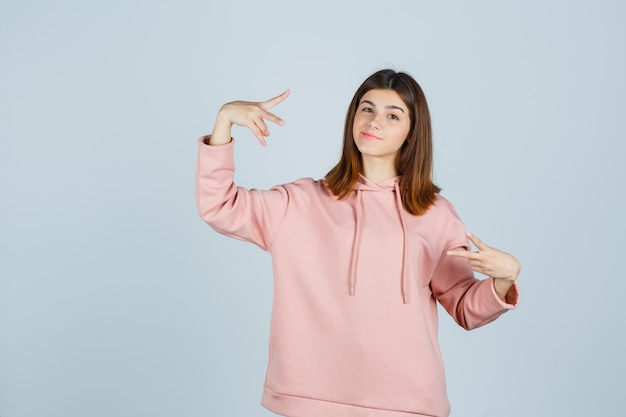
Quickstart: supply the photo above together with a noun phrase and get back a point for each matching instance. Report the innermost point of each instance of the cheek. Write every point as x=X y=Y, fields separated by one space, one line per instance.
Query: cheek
x=356 y=124
x=358 y=119
x=405 y=131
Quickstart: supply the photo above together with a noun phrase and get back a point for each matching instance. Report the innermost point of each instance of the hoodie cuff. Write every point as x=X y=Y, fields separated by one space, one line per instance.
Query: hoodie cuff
x=512 y=296
x=204 y=140
x=213 y=158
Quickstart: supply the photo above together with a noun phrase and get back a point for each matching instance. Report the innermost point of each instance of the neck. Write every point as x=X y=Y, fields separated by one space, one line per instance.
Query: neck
x=378 y=170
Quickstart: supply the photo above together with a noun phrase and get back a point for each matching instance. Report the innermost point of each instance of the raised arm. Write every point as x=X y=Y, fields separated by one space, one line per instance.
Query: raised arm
x=252 y=215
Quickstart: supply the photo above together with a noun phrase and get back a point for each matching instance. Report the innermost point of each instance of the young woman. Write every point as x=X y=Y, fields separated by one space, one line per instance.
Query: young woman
x=360 y=259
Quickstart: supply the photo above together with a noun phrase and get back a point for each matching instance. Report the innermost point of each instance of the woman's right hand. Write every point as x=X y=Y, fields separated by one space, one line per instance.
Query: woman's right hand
x=249 y=114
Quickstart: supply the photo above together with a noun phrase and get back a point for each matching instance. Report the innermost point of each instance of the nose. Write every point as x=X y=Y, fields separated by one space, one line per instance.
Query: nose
x=374 y=122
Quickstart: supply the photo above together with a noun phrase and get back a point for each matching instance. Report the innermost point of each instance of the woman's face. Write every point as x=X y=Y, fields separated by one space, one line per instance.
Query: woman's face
x=381 y=124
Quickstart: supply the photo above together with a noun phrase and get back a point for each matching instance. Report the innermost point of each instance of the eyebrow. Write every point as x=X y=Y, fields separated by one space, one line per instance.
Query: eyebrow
x=387 y=107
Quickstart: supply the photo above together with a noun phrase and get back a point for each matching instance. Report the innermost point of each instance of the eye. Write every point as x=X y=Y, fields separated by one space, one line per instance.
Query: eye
x=367 y=109
x=393 y=117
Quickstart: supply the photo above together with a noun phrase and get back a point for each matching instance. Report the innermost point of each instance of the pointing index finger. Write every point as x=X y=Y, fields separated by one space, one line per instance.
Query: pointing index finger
x=477 y=242
x=274 y=101
x=462 y=254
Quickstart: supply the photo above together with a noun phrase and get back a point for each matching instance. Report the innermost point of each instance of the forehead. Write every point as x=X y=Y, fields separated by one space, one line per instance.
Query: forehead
x=384 y=97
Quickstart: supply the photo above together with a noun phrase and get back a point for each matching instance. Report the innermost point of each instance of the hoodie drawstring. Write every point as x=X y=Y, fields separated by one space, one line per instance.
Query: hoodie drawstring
x=405 y=246
x=358 y=210
x=357 y=240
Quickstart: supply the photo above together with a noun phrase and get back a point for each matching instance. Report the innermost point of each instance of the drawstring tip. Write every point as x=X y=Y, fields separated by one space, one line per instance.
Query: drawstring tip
x=351 y=290
x=405 y=298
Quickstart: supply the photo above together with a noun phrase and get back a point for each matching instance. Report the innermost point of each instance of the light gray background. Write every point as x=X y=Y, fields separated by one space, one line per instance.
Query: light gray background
x=117 y=300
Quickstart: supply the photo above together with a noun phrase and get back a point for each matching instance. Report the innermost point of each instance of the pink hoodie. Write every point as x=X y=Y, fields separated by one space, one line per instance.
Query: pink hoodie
x=354 y=322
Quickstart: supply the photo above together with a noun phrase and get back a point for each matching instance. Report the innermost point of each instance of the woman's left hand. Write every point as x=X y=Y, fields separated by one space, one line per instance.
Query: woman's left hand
x=490 y=261
x=501 y=266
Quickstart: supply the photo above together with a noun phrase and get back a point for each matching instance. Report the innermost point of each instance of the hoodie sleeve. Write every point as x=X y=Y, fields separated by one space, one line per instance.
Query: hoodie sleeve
x=250 y=215
x=470 y=301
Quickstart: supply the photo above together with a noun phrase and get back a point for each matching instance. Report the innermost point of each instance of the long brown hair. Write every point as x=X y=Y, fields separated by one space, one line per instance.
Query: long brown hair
x=415 y=160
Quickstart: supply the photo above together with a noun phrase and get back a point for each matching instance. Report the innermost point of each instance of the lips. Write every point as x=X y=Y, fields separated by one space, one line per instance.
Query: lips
x=369 y=136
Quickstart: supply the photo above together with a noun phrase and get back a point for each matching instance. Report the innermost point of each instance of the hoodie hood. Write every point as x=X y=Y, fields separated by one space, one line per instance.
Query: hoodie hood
x=391 y=185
